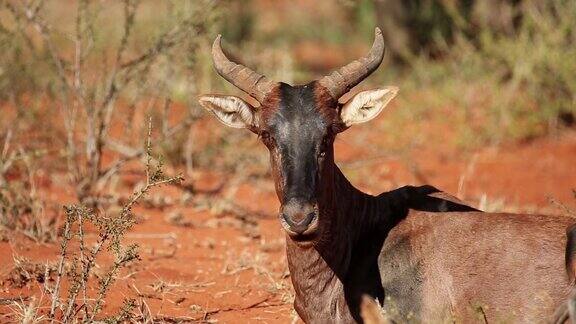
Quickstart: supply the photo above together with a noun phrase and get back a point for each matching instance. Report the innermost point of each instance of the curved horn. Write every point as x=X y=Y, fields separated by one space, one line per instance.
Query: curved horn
x=254 y=84
x=342 y=80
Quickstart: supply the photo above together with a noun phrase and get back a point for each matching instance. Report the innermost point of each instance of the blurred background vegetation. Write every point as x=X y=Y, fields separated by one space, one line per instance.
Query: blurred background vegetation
x=492 y=71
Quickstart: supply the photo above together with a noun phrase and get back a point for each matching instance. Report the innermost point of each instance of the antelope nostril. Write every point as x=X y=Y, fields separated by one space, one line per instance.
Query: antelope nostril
x=309 y=218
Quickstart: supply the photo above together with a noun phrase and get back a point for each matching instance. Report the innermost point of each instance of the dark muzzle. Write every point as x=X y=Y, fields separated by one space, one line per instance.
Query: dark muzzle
x=299 y=218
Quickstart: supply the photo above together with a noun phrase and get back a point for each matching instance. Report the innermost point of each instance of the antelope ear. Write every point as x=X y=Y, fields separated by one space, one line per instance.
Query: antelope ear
x=366 y=105
x=230 y=110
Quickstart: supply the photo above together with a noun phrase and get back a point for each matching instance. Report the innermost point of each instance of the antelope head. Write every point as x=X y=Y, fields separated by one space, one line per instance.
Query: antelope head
x=298 y=125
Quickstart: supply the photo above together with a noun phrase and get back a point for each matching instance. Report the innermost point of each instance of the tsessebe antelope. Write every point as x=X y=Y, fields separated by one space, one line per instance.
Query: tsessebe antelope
x=424 y=255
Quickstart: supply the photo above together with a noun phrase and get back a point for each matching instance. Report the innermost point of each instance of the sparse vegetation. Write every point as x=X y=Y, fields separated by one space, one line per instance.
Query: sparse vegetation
x=87 y=85
x=81 y=263
x=78 y=259
x=516 y=84
x=21 y=209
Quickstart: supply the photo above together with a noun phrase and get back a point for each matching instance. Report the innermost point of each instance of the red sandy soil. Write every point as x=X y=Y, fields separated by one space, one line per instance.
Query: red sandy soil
x=219 y=267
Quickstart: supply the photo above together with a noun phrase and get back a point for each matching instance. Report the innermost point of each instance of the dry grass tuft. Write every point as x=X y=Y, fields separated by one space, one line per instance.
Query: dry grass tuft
x=21 y=208
x=24 y=272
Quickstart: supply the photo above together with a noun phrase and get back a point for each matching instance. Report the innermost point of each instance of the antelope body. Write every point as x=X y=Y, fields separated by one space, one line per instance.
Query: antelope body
x=423 y=255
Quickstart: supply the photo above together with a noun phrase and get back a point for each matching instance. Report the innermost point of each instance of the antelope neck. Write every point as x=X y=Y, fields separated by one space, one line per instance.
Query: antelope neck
x=319 y=271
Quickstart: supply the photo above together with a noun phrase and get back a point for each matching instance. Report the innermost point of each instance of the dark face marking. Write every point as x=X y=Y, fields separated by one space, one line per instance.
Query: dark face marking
x=298 y=133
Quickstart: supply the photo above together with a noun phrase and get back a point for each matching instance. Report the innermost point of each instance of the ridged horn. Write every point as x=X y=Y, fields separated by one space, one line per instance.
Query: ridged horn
x=254 y=84
x=342 y=80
